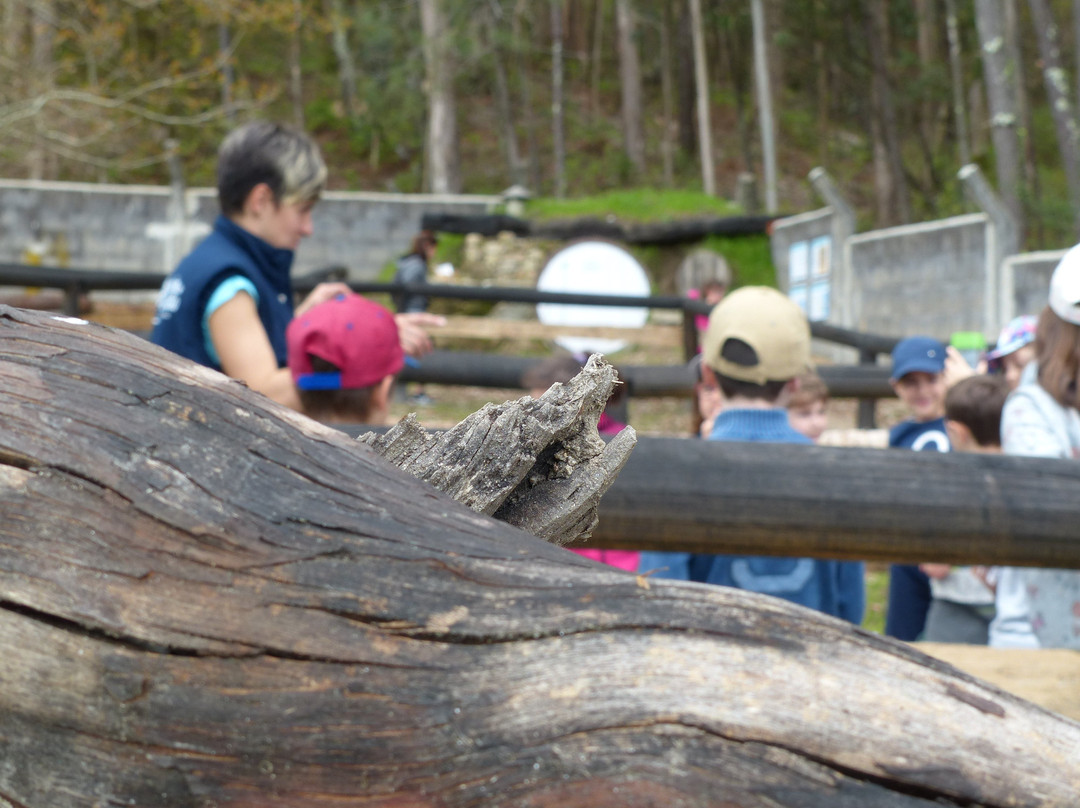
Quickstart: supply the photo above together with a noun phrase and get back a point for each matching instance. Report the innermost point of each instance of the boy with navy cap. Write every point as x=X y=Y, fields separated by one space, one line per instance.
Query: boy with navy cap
x=918 y=378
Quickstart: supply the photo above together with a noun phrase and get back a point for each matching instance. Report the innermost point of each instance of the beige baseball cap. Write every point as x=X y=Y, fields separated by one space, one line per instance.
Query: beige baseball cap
x=770 y=323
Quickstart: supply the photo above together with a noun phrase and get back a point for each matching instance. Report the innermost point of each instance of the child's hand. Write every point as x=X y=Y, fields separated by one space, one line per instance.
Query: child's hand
x=957 y=369
x=412 y=331
x=936 y=571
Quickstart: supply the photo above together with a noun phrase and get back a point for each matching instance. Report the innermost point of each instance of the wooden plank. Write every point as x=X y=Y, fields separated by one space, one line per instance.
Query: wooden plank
x=490 y=328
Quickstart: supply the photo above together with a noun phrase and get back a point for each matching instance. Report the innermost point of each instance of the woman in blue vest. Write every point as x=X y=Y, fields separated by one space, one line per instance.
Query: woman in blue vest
x=228 y=303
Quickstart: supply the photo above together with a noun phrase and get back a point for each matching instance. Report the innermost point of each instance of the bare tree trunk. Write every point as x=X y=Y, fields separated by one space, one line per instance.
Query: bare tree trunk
x=558 y=134
x=13 y=29
x=1057 y=93
x=296 y=78
x=1001 y=94
x=708 y=172
x=926 y=46
x=667 y=94
x=228 y=73
x=687 y=94
x=956 y=71
x=1029 y=176
x=893 y=204
x=1076 y=39
x=630 y=83
x=503 y=106
x=596 y=59
x=821 y=86
x=442 y=134
x=530 y=120
x=339 y=42
x=765 y=105
x=43 y=38
x=740 y=78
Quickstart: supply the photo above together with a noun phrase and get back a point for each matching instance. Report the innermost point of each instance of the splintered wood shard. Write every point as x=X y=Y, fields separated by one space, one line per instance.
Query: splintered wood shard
x=538 y=464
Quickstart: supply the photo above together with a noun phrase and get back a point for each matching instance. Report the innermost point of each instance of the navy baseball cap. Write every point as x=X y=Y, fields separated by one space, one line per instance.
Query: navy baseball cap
x=913 y=354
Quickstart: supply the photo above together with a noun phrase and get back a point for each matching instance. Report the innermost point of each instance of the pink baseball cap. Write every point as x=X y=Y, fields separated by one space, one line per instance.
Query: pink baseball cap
x=352 y=333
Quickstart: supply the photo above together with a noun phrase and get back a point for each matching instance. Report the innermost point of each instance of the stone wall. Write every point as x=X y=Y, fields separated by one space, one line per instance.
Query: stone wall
x=138 y=228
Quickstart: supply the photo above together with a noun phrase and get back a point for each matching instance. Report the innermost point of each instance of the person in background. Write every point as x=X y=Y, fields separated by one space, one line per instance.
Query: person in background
x=712 y=292
x=707 y=400
x=756 y=346
x=1041 y=607
x=962 y=597
x=1014 y=349
x=808 y=406
x=343 y=356
x=918 y=377
x=413 y=268
x=228 y=303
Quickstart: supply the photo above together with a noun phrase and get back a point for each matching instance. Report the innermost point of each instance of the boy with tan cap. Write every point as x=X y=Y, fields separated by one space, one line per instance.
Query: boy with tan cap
x=756 y=345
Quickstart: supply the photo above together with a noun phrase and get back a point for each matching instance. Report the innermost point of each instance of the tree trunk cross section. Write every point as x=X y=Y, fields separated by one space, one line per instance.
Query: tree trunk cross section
x=208 y=600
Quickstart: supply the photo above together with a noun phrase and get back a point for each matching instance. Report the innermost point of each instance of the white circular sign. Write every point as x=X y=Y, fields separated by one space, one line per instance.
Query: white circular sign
x=597 y=268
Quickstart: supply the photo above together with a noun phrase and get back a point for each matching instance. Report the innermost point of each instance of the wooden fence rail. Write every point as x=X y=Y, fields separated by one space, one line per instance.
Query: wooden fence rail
x=872 y=504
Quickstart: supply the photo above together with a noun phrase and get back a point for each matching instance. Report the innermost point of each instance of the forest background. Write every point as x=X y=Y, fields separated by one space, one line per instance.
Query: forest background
x=569 y=98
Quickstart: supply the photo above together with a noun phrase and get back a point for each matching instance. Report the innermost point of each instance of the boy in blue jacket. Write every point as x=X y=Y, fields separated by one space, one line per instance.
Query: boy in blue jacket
x=756 y=345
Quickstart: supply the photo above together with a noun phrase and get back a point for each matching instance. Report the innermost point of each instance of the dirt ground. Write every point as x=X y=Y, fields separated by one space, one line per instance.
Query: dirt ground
x=1049 y=677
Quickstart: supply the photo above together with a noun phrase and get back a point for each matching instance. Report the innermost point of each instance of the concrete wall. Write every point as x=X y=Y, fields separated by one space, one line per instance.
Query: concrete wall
x=1026 y=282
x=129 y=227
x=932 y=278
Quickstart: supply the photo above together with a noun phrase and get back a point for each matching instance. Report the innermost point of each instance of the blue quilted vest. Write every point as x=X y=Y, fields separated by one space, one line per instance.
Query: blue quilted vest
x=228 y=250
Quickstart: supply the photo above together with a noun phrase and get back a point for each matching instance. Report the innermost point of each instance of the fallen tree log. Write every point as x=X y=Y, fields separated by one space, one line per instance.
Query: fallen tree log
x=208 y=600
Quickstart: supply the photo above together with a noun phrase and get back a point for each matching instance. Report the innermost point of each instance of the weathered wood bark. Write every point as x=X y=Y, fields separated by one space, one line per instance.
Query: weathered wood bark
x=208 y=600
x=537 y=464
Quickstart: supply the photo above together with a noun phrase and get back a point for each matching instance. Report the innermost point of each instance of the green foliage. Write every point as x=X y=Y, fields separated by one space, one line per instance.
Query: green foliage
x=749 y=257
x=633 y=205
x=877 y=598
x=130 y=75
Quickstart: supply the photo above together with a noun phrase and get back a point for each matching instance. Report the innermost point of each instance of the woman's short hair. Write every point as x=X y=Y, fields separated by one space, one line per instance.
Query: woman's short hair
x=287 y=160
x=422 y=240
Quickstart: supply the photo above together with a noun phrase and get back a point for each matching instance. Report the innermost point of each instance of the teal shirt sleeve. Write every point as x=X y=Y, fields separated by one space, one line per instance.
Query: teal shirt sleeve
x=225 y=291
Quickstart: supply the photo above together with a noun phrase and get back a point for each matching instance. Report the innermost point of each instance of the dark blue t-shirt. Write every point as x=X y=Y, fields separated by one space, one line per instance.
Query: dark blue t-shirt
x=920 y=436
